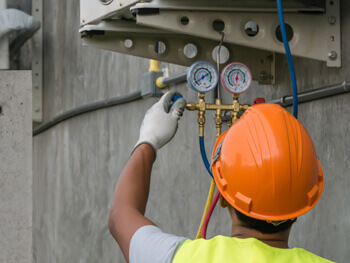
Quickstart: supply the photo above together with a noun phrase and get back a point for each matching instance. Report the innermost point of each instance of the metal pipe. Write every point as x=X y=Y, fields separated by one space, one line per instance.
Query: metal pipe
x=22 y=38
x=87 y=108
x=169 y=81
x=4 y=42
x=14 y=20
x=315 y=94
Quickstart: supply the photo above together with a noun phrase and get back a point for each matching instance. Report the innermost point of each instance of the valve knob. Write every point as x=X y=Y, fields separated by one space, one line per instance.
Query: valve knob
x=176 y=97
x=259 y=101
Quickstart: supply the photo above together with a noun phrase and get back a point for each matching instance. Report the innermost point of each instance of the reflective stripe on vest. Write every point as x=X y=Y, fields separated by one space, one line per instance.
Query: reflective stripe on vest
x=235 y=250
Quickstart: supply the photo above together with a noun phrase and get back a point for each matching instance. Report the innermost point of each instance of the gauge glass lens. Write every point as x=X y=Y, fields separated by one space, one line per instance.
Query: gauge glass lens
x=236 y=78
x=202 y=76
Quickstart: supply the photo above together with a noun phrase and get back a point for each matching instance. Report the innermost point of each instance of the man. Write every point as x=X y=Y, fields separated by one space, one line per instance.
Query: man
x=266 y=170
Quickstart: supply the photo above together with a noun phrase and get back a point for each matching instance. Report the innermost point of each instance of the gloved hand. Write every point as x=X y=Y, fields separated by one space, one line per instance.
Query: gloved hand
x=161 y=120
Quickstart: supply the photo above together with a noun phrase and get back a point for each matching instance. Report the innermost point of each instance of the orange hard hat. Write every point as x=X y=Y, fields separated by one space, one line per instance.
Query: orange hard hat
x=266 y=165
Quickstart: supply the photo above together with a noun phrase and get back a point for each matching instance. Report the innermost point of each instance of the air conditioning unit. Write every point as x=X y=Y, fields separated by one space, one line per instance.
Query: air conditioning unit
x=182 y=31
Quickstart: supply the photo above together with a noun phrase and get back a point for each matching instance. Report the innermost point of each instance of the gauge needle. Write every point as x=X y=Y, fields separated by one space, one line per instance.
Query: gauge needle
x=236 y=78
x=202 y=78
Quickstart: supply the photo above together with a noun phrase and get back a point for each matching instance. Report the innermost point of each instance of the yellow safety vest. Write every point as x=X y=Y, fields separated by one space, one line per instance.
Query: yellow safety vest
x=236 y=250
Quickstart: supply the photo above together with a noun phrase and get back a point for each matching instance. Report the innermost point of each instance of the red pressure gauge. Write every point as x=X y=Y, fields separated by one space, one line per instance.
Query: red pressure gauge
x=236 y=78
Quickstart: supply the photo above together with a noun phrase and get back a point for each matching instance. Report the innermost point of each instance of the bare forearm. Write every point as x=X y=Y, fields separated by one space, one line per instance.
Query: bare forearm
x=130 y=198
x=133 y=185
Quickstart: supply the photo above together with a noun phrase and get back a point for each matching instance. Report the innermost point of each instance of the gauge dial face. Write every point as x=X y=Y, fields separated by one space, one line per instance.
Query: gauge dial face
x=202 y=76
x=236 y=78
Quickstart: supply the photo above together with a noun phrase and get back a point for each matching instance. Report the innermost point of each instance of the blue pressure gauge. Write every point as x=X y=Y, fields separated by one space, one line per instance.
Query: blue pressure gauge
x=202 y=76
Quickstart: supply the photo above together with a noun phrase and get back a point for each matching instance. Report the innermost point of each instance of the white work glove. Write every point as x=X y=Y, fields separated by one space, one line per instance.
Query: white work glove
x=160 y=122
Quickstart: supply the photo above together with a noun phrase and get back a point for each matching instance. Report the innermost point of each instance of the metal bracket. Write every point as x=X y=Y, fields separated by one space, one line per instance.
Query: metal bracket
x=37 y=63
x=313 y=37
x=148 y=84
x=97 y=10
x=130 y=38
x=333 y=33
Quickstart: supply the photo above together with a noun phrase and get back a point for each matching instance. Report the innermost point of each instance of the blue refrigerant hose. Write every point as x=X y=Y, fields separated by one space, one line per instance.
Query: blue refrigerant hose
x=289 y=57
x=204 y=156
x=201 y=143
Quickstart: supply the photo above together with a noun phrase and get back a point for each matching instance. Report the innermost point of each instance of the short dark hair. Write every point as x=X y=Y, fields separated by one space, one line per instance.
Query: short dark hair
x=263 y=226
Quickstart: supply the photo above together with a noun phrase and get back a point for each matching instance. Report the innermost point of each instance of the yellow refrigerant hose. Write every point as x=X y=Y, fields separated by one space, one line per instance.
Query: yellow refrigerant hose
x=211 y=189
x=207 y=205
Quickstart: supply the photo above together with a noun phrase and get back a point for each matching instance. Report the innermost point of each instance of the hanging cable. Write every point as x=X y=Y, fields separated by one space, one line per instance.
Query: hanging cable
x=201 y=139
x=208 y=216
x=218 y=54
x=289 y=58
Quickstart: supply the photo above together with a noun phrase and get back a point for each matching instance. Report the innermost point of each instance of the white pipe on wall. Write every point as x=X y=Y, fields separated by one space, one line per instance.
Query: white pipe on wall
x=4 y=44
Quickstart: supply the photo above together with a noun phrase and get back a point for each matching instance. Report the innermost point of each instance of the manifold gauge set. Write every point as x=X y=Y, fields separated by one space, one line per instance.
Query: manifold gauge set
x=203 y=77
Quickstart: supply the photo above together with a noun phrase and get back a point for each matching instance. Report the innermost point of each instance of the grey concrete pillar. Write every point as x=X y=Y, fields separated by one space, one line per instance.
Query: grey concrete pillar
x=16 y=203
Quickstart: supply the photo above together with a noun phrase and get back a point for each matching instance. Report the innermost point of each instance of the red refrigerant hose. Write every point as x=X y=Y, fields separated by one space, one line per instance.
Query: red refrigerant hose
x=210 y=212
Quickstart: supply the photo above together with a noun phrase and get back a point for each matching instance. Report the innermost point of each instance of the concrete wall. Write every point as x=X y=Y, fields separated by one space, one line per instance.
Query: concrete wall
x=77 y=163
x=15 y=167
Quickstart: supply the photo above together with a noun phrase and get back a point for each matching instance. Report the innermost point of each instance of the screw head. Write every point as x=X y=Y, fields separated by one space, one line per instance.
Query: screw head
x=332 y=55
x=37 y=109
x=264 y=76
x=332 y=20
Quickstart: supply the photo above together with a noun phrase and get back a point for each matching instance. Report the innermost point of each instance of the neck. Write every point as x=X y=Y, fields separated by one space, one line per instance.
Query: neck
x=279 y=240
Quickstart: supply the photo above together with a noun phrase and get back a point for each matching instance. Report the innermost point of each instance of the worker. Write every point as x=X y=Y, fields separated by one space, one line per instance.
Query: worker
x=268 y=174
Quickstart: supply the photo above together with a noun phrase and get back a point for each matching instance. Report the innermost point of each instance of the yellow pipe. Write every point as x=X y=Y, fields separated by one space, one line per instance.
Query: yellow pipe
x=153 y=65
x=159 y=83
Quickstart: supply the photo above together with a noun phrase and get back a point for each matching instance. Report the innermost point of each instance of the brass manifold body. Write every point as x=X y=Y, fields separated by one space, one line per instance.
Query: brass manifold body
x=218 y=107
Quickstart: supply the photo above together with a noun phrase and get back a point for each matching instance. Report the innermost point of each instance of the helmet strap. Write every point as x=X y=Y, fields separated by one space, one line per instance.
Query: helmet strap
x=223 y=202
x=217 y=153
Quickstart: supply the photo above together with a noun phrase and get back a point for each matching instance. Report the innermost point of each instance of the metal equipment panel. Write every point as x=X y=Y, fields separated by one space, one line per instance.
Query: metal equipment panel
x=309 y=38
x=314 y=27
x=132 y=39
